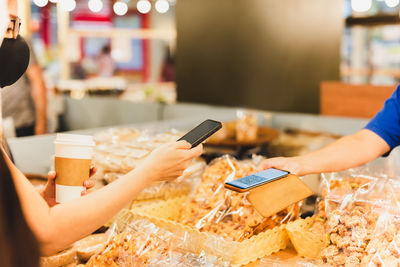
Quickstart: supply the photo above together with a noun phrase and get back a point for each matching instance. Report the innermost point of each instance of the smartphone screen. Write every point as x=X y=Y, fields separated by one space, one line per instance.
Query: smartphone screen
x=257 y=179
x=201 y=132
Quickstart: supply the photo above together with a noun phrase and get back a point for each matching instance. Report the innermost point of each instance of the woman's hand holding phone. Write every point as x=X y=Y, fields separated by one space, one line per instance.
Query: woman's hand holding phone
x=168 y=162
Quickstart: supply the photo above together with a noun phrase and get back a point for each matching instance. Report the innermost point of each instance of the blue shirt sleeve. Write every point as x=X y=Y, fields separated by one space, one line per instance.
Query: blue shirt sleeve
x=386 y=122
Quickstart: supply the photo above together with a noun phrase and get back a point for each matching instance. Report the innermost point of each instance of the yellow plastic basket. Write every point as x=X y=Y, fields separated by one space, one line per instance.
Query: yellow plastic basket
x=307 y=243
x=163 y=213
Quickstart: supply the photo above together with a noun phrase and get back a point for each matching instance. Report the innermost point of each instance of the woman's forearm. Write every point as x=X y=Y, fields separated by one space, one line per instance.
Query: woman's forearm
x=347 y=152
x=63 y=224
x=108 y=201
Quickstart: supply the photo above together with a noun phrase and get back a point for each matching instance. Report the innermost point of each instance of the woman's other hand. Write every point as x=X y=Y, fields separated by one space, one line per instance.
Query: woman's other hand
x=49 y=191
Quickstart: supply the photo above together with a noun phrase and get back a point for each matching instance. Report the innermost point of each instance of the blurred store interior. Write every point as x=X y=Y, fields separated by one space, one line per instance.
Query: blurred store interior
x=108 y=63
x=257 y=54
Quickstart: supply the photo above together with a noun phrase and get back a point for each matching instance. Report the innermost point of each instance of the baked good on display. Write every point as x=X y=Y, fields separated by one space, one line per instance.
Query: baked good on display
x=360 y=219
x=245 y=132
x=142 y=248
x=219 y=211
x=131 y=249
x=120 y=150
x=90 y=245
x=246 y=128
x=62 y=258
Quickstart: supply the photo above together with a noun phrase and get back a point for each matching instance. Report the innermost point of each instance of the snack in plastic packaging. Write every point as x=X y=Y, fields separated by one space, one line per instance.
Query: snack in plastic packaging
x=254 y=236
x=288 y=258
x=90 y=245
x=62 y=258
x=244 y=130
x=226 y=132
x=360 y=216
x=131 y=249
x=117 y=135
x=142 y=243
x=350 y=209
x=120 y=150
x=216 y=210
x=307 y=236
x=383 y=249
x=164 y=209
x=246 y=127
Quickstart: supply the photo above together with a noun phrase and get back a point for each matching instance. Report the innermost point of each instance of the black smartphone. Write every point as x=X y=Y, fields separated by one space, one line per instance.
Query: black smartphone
x=246 y=183
x=201 y=132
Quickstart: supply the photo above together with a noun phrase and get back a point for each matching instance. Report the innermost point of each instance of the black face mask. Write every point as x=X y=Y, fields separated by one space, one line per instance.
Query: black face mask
x=14 y=59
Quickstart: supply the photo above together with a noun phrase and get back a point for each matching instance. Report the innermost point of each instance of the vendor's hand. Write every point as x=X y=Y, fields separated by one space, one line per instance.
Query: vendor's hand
x=49 y=192
x=168 y=162
x=292 y=165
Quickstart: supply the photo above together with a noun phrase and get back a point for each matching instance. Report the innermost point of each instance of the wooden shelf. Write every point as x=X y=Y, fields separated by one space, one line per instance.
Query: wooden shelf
x=130 y=33
x=348 y=71
x=351 y=100
x=373 y=20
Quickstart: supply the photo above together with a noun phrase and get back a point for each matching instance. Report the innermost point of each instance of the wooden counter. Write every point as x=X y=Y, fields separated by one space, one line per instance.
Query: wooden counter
x=350 y=100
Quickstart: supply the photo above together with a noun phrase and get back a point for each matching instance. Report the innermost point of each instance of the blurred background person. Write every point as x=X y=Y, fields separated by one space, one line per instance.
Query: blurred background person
x=26 y=101
x=168 y=67
x=106 y=64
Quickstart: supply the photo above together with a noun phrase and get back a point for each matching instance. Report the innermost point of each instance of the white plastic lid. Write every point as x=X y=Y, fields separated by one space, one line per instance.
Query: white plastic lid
x=74 y=139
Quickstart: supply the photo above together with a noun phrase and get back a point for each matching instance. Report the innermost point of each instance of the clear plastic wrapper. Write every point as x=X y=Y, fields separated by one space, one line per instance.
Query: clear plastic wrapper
x=361 y=220
x=308 y=237
x=359 y=211
x=117 y=135
x=120 y=150
x=287 y=259
x=129 y=143
x=243 y=130
x=81 y=251
x=63 y=258
x=357 y=220
x=183 y=185
x=246 y=126
x=90 y=245
x=159 y=208
x=138 y=242
x=254 y=236
x=214 y=209
x=145 y=139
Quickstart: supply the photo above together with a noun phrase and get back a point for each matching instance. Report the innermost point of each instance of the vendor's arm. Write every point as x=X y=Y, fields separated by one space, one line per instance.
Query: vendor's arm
x=347 y=152
x=63 y=224
x=380 y=136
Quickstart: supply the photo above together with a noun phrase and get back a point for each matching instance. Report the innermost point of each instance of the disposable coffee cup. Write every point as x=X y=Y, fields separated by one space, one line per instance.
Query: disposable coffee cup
x=73 y=157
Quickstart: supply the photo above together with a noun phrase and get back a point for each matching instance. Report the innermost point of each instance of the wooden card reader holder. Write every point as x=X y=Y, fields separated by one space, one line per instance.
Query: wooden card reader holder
x=273 y=197
x=274 y=194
